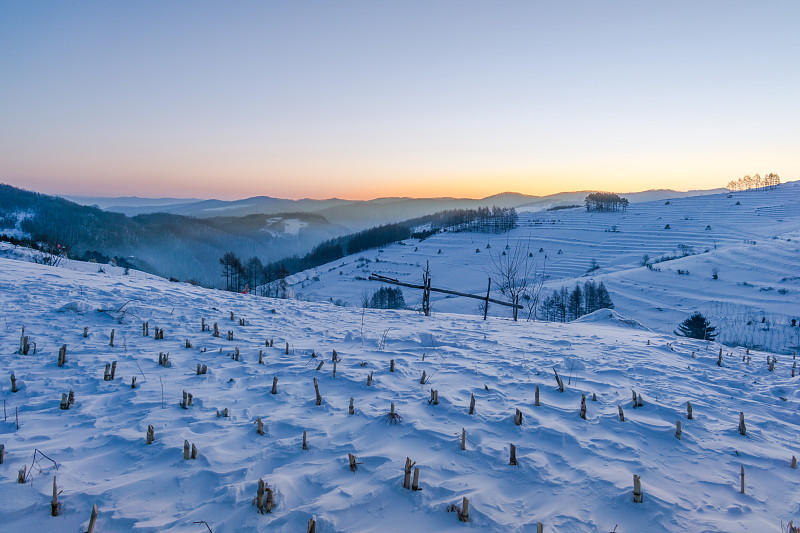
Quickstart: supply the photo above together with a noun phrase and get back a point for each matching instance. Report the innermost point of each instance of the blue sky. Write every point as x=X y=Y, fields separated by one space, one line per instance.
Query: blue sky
x=366 y=99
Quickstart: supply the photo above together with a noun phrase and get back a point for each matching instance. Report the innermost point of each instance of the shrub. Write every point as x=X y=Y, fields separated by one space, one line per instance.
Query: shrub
x=697 y=327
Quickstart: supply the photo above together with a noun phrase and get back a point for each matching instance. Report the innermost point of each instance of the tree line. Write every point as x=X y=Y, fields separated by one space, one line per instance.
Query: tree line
x=755 y=182
x=605 y=201
x=564 y=305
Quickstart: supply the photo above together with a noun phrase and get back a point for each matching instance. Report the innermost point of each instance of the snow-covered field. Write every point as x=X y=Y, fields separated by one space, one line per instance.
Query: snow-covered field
x=573 y=474
x=751 y=238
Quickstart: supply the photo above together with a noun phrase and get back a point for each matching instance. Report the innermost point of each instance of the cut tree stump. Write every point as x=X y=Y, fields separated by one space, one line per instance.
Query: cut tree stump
x=151 y=434
x=513 y=455
x=518 y=418
x=638 y=497
x=742 y=427
x=316 y=388
x=275 y=385
x=583 y=406
x=471 y=404
x=54 y=505
x=689 y=410
x=678 y=429
x=621 y=414
x=407 y=473
x=92 y=519
x=415 y=482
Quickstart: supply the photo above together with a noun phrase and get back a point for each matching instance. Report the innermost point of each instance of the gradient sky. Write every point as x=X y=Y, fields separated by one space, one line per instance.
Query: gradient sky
x=415 y=98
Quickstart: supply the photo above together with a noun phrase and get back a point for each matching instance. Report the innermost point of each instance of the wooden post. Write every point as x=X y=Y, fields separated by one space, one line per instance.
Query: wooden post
x=231 y=315
x=287 y=348
x=187 y=451
x=85 y=332
x=415 y=482
x=742 y=479
x=793 y=464
x=113 y=369
x=518 y=418
x=275 y=385
x=305 y=442
x=463 y=439
x=689 y=410
x=312 y=526
x=486 y=305
x=422 y=379
x=216 y=329
x=352 y=409
x=391 y=365
x=260 y=357
x=539 y=525
x=107 y=372
x=513 y=458
x=2 y=452
x=54 y=505
x=316 y=388
x=640 y=402
x=92 y=519
x=536 y=397
x=594 y=397
x=13 y=383
x=194 y=451
x=464 y=516
x=583 y=406
x=111 y=343
x=621 y=414
x=202 y=324
x=133 y=382
x=638 y=497
x=742 y=427
x=471 y=404
x=151 y=434
x=678 y=429
x=719 y=359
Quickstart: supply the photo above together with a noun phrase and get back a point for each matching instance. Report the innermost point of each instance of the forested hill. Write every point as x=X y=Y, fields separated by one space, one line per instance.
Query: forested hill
x=165 y=244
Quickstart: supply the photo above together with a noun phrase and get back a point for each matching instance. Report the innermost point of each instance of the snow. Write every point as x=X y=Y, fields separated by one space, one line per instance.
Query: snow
x=573 y=475
x=755 y=246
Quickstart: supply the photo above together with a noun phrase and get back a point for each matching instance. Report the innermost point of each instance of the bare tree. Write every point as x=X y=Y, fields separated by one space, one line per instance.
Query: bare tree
x=514 y=274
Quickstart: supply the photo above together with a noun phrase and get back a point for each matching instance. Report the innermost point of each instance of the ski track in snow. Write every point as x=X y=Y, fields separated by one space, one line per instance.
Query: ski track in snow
x=573 y=475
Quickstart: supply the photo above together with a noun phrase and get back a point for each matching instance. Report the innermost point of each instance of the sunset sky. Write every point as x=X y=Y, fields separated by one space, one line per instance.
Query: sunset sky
x=358 y=100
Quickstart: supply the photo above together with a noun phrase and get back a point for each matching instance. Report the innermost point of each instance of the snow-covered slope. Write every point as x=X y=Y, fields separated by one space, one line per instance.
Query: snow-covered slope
x=573 y=475
x=751 y=238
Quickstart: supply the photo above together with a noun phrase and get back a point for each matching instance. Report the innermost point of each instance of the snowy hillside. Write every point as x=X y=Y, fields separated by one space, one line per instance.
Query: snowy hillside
x=573 y=475
x=752 y=239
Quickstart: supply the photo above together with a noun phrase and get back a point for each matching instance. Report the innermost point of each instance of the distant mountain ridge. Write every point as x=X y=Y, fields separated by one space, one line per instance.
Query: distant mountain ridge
x=356 y=215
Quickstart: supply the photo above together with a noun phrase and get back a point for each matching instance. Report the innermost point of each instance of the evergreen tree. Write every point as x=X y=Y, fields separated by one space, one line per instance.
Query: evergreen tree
x=697 y=327
x=603 y=298
x=576 y=303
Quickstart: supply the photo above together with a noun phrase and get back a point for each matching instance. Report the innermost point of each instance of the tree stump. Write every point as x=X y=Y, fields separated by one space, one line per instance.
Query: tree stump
x=464 y=515
x=187 y=451
x=194 y=451
x=352 y=409
x=621 y=414
x=305 y=442
x=92 y=519
x=54 y=505
x=287 y=348
x=558 y=381
x=407 y=473
x=689 y=410
x=2 y=452
x=678 y=429
x=513 y=455
x=216 y=329
x=638 y=497
x=259 y=426
x=742 y=480
x=391 y=365
x=423 y=378
x=275 y=385
x=583 y=406
x=64 y=402
x=369 y=380
x=113 y=370
x=471 y=404
x=316 y=388
x=107 y=373
x=111 y=342
x=85 y=332
x=312 y=526
x=21 y=474
x=640 y=402
x=463 y=439
x=793 y=464
x=415 y=482
x=133 y=382
x=13 y=383
x=151 y=434
x=742 y=427
x=518 y=418
x=536 y=397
